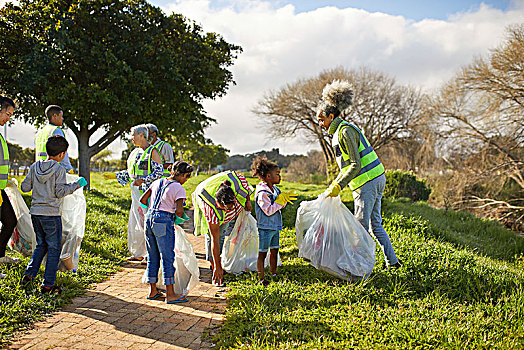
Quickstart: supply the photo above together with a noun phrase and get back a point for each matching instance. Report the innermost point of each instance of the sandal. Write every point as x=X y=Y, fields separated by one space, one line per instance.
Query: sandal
x=135 y=258
x=156 y=296
x=182 y=299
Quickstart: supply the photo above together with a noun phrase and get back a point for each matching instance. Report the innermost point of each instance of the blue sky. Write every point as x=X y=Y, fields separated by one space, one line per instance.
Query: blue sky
x=419 y=43
x=411 y=9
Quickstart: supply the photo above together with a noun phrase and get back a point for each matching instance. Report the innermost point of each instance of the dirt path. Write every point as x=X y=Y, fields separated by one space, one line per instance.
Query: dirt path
x=117 y=315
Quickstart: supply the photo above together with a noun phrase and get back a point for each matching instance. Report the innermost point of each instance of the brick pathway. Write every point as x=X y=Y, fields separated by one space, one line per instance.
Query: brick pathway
x=116 y=315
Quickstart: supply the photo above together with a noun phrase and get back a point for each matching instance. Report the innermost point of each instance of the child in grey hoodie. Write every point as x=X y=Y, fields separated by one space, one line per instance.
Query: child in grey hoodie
x=47 y=179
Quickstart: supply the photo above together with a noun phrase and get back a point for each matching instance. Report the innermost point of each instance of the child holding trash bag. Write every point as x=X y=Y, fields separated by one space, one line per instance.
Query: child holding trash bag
x=47 y=180
x=166 y=208
x=269 y=200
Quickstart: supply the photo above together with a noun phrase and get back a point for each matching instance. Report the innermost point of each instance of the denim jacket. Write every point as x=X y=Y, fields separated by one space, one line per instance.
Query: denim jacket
x=264 y=221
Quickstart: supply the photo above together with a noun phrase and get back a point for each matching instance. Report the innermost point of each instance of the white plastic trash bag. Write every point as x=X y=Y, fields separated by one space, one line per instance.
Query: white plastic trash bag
x=136 y=238
x=23 y=239
x=240 y=250
x=73 y=225
x=334 y=241
x=187 y=273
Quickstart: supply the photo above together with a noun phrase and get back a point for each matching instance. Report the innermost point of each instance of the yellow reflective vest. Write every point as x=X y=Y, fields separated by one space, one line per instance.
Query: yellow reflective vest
x=4 y=163
x=41 y=139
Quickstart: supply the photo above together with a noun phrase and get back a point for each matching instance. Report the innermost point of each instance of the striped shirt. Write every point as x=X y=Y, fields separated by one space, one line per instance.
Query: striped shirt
x=229 y=215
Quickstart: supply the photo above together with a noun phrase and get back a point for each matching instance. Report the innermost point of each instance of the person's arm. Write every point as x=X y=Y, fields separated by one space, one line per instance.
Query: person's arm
x=179 y=207
x=27 y=184
x=145 y=197
x=349 y=141
x=264 y=202
x=218 y=273
x=62 y=188
x=66 y=163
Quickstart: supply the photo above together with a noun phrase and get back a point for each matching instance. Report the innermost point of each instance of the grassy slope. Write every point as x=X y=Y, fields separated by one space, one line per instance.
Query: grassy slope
x=460 y=285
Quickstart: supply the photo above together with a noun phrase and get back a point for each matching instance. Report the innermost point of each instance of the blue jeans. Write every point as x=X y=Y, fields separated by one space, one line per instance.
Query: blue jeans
x=160 y=244
x=48 y=230
x=368 y=207
x=225 y=230
x=268 y=239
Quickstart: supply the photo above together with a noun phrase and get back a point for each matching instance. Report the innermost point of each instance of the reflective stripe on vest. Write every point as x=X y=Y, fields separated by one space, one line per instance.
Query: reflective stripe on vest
x=211 y=186
x=41 y=139
x=371 y=167
x=4 y=165
x=134 y=171
x=159 y=146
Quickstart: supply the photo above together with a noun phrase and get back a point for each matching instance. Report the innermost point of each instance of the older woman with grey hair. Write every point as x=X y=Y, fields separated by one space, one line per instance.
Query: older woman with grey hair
x=144 y=165
x=164 y=148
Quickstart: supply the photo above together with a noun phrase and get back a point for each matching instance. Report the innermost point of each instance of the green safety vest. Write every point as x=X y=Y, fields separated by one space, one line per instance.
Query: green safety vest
x=41 y=139
x=133 y=167
x=211 y=186
x=4 y=163
x=159 y=147
x=371 y=167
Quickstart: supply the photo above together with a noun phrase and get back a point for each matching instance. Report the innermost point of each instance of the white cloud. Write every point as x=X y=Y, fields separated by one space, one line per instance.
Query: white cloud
x=281 y=46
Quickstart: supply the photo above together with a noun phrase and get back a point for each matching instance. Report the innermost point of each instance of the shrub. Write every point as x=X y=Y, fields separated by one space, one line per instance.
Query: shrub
x=405 y=184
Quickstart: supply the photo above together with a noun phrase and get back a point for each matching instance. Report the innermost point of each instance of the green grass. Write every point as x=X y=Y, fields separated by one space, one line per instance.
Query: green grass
x=461 y=285
x=103 y=249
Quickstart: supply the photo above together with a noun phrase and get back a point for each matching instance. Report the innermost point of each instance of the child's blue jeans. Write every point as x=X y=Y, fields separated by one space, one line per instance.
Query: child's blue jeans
x=48 y=230
x=160 y=243
x=268 y=239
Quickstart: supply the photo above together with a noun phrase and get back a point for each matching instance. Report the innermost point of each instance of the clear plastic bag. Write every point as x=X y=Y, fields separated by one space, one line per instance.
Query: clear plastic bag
x=187 y=273
x=23 y=239
x=240 y=250
x=73 y=225
x=136 y=239
x=334 y=241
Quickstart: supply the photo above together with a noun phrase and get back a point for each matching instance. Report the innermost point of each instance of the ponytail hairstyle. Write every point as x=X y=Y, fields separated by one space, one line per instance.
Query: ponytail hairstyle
x=225 y=194
x=336 y=97
x=180 y=167
x=6 y=102
x=261 y=167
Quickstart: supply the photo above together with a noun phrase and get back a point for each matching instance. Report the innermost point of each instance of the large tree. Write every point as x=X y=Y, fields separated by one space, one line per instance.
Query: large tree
x=111 y=65
x=478 y=117
x=384 y=110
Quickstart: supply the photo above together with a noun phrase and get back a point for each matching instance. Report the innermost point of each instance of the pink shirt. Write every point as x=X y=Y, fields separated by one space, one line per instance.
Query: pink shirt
x=172 y=193
x=263 y=200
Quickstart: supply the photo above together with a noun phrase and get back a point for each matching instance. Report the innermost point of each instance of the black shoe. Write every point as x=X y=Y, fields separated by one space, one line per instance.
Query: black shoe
x=50 y=290
x=25 y=281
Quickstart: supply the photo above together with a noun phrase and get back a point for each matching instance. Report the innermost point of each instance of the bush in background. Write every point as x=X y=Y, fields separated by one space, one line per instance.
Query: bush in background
x=405 y=184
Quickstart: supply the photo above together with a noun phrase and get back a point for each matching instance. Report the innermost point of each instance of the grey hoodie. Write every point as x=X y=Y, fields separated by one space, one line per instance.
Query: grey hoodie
x=47 y=179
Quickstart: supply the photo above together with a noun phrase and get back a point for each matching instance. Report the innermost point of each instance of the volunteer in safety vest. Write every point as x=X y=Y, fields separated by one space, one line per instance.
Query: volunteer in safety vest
x=7 y=214
x=360 y=167
x=143 y=167
x=218 y=202
x=164 y=148
x=55 y=115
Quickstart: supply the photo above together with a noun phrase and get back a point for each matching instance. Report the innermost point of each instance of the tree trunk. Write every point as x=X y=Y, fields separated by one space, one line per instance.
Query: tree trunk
x=84 y=158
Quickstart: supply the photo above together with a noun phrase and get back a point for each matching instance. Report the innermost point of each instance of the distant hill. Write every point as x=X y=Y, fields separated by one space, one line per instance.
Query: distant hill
x=243 y=162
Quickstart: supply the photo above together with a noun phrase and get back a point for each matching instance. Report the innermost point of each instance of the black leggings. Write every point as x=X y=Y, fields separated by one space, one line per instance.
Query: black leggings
x=8 y=219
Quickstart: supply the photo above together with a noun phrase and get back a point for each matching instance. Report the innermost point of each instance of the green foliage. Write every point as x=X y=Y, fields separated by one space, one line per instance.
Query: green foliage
x=401 y=184
x=202 y=155
x=111 y=65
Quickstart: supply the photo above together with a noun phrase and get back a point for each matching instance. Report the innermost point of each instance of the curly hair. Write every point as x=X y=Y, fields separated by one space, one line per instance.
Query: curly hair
x=336 y=97
x=261 y=167
x=225 y=194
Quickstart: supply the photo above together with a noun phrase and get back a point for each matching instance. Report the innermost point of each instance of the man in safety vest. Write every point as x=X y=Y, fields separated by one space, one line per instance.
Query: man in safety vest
x=7 y=214
x=360 y=167
x=164 y=148
x=55 y=115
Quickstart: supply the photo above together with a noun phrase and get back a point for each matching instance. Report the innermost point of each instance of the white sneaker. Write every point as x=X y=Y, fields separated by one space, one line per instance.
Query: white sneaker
x=2 y=276
x=8 y=260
